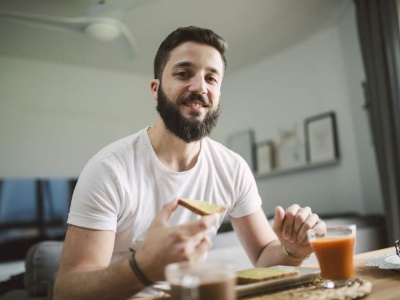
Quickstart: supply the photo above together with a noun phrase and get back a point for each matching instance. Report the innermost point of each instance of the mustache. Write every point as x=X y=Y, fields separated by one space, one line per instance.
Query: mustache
x=195 y=97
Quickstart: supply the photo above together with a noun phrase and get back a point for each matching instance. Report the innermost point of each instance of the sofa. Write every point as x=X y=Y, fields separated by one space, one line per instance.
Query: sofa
x=41 y=265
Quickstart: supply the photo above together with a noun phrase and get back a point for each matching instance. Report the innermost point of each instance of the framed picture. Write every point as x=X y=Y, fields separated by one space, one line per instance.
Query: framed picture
x=242 y=143
x=321 y=138
x=265 y=157
x=291 y=150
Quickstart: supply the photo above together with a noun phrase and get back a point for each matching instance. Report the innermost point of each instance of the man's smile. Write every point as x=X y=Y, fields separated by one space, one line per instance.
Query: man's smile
x=195 y=104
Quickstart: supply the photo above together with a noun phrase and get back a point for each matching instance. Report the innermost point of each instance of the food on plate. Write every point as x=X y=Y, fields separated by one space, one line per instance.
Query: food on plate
x=262 y=274
x=201 y=207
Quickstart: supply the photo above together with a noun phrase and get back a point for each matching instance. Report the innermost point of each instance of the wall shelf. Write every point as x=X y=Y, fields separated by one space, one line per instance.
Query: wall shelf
x=310 y=166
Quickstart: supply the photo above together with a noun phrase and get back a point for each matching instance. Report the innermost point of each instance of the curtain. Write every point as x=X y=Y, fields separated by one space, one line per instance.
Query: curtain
x=378 y=31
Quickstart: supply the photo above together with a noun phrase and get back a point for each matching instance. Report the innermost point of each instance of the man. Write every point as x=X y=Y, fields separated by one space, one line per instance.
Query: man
x=123 y=196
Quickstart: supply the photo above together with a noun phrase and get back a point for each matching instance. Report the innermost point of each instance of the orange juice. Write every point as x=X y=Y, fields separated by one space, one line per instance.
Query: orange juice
x=335 y=256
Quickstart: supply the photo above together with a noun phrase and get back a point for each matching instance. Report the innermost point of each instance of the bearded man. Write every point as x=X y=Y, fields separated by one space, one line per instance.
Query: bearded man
x=127 y=195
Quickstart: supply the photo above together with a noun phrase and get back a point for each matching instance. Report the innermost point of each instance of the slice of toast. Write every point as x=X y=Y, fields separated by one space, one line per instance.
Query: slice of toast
x=201 y=207
x=262 y=274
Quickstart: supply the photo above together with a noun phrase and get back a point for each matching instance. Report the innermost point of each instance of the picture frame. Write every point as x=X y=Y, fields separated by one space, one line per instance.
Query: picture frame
x=291 y=150
x=242 y=142
x=321 y=137
x=265 y=153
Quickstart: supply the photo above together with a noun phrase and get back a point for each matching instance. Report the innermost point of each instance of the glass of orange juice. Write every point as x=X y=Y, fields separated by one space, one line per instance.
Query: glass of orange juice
x=335 y=251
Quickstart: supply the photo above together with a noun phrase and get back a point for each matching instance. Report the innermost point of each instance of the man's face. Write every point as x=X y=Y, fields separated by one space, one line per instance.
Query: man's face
x=188 y=129
x=188 y=94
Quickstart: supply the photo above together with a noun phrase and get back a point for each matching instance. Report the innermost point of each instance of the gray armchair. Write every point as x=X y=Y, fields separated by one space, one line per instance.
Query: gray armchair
x=41 y=264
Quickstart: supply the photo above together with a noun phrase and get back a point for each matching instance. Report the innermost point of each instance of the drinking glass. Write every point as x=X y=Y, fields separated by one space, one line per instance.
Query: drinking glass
x=335 y=251
x=201 y=281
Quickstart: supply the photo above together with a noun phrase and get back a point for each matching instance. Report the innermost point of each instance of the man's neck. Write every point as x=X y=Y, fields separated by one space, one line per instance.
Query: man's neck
x=173 y=152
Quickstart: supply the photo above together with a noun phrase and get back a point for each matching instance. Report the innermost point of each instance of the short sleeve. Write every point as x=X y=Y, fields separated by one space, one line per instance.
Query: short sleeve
x=95 y=201
x=248 y=199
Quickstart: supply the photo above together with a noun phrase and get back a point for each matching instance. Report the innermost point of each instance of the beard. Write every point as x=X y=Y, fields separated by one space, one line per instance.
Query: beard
x=187 y=129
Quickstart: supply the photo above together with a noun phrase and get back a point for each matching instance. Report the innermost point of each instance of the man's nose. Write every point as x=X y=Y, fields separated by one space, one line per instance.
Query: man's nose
x=198 y=85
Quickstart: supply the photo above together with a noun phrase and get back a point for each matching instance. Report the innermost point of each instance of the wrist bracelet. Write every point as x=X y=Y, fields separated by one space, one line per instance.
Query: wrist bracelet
x=136 y=270
x=293 y=256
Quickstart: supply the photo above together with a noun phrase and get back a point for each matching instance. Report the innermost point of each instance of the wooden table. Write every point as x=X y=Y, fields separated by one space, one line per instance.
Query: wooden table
x=385 y=283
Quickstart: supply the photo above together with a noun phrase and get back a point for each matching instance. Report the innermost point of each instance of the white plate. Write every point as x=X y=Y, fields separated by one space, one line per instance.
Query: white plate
x=305 y=275
x=394 y=259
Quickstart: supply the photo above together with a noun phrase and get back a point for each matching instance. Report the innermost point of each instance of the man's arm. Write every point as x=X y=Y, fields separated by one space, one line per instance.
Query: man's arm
x=264 y=244
x=85 y=272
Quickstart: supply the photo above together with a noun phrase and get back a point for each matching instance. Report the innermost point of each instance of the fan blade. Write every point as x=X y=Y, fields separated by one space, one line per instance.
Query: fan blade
x=82 y=25
x=127 y=41
x=54 y=23
x=116 y=9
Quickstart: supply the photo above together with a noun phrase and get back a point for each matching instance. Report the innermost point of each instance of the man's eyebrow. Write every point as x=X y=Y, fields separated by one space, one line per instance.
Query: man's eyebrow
x=183 y=64
x=191 y=65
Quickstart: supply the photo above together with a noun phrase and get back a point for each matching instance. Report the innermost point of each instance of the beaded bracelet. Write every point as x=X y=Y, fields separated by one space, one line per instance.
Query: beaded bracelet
x=138 y=273
x=293 y=256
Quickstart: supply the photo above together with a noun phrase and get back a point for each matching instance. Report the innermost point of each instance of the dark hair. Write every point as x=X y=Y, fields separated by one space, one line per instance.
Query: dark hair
x=187 y=34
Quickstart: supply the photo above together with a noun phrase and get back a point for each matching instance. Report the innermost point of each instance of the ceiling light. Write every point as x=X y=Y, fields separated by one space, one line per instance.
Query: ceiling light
x=104 y=30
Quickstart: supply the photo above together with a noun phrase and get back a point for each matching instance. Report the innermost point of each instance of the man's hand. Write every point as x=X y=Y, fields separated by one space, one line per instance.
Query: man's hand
x=291 y=228
x=165 y=244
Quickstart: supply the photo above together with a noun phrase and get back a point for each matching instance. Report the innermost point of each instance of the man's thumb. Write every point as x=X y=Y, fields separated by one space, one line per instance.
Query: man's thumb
x=278 y=219
x=167 y=210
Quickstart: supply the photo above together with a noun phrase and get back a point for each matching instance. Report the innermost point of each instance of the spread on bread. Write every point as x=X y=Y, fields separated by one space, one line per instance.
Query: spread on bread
x=201 y=207
x=261 y=274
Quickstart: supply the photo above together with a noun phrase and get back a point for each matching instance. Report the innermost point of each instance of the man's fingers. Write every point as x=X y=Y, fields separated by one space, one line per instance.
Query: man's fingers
x=190 y=248
x=167 y=210
x=320 y=227
x=199 y=225
x=290 y=214
x=278 y=219
x=202 y=247
x=311 y=221
x=299 y=223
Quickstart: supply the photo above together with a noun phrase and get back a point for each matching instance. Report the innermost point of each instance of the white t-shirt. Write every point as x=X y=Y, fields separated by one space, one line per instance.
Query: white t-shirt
x=125 y=185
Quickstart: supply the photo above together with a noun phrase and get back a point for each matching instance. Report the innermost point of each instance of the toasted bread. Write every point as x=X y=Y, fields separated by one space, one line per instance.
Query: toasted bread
x=262 y=274
x=200 y=207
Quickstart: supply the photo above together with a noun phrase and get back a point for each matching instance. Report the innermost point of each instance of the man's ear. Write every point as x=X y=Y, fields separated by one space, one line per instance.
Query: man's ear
x=154 y=85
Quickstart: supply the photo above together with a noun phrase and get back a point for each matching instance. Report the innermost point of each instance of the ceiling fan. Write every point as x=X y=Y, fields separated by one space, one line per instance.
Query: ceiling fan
x=102 y=21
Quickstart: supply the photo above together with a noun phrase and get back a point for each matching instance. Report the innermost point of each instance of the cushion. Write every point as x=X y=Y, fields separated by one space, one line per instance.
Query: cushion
x=41 y=263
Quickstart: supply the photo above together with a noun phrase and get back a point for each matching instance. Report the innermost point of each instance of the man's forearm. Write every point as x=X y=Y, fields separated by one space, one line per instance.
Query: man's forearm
x=115 y=282
x=273 y=254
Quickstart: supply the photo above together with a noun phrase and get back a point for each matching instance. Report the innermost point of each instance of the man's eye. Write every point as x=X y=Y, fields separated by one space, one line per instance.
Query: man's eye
x=182 y=74
x=213 y=79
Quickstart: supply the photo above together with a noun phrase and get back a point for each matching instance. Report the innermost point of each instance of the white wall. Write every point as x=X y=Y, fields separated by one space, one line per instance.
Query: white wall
x=322 y=73
x=53 y=118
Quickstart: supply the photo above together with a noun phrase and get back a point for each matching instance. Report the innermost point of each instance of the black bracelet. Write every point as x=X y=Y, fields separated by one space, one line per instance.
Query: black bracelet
x=138 y=273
